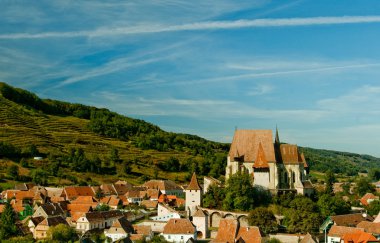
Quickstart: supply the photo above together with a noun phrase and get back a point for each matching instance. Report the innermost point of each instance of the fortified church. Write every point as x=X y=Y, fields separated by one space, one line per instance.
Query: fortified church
x=274 y=166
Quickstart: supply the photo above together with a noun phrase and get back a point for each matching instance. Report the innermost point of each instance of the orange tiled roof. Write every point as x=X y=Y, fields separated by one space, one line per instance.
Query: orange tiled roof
x=289 y=154
x=370 y=227
x=76 y=191
x=339 y=231
x=83 y=208
x=179 y=226
x=249 y=234
x=227 y=231
x=162 y=185
x=358 y=237
x=368 y=196
x=303 y=160
x=261 y=161
x=194 y=185
x=350 y=220
x=149 y=203
x=143 y=229
x=246 y=143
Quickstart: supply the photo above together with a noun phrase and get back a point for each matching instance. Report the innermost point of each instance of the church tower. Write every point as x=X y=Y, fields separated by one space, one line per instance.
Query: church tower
x=193 y=195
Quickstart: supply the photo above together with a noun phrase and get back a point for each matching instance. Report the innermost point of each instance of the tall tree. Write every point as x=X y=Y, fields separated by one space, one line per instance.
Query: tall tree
x=214 y=197
x=363 y=185
x=329 y=181
x=332 y=205
x=7 y=223
x=240 y=193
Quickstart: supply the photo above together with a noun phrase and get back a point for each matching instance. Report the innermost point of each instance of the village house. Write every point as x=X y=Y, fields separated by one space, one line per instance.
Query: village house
x=112 y=201
x=97 y=220
x=165 y=213
x=142 y=232
x=229 y=231
x=72 y=192
x=368 y=198
x=33 y=222
x=358 y=237
x=167 y=187
x=149 y=204
x=120 y=229
x=274 y=166
x=48 y=210
x=40 y=231
x=348 y=220
x=370 y=227
x=179 y=230
x=337 y=232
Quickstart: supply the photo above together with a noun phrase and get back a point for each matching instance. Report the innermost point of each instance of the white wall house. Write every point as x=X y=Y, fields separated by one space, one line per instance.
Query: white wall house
x=179 y=230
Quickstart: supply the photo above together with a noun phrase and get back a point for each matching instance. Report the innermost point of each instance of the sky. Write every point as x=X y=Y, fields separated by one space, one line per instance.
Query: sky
x=312 y=68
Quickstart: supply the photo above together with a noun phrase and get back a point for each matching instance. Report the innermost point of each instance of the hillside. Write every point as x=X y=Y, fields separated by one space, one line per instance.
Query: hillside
x=80 y=144
x=56 y=128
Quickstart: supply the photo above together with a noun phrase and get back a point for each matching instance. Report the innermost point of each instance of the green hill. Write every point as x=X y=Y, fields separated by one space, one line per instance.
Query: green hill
x=59 y=129
x=83 y=144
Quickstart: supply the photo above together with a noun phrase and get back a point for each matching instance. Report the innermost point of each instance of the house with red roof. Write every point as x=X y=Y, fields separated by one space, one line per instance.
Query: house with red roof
x=337 y=232
x=179 y=230
x=358 y=237
x=368 y=198
x=229 y=231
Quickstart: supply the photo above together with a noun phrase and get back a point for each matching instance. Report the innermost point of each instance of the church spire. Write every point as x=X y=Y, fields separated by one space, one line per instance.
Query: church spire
x=277 y=139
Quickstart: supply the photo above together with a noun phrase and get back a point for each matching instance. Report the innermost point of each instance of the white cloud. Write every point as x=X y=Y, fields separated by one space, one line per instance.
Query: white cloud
x=197 y=26
x=261 y=89
x=362 y=100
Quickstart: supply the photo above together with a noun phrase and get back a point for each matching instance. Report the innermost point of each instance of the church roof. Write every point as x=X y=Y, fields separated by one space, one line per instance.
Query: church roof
x=261 y=161
x=303 y=160
x=246 y=143
x=289 y=154
x=194 y=185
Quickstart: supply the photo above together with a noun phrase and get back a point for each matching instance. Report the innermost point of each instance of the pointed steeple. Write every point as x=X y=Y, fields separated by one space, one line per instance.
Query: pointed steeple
x=277 y=139
x=261 y=161
x=194 y=184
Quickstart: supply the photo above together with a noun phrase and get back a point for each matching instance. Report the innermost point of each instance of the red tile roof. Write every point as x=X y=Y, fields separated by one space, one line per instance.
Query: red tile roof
x=261 y=161
x=370 y=227
x=339 y=231
x=179 y=226
x=367 y=198
x=350 y=220
x=289 y=154
x=249 y=234
x=149 y=204
x=358 y=237
x=227 y=231
x=246 y=143
x=194 y=185
x=76 y=191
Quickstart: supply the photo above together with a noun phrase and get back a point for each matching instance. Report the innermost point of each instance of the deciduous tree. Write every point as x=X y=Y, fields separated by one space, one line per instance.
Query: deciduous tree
x=264 y=219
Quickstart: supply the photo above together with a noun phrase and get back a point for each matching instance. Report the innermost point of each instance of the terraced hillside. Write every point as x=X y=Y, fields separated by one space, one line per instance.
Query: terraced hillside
x=22 y=126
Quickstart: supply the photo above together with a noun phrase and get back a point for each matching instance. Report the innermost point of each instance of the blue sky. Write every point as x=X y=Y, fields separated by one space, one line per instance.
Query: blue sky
x=206 y=67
